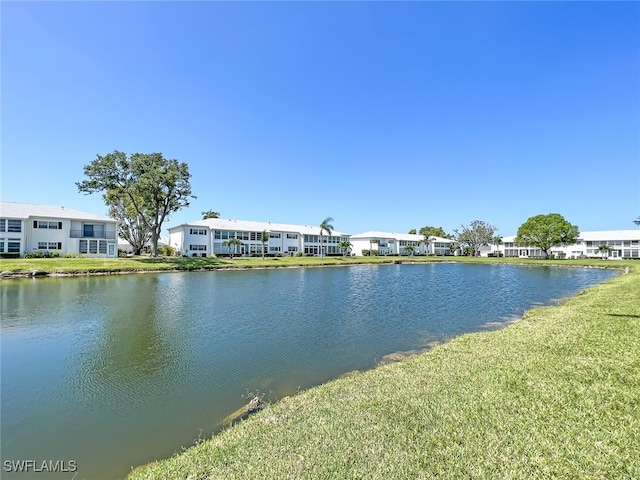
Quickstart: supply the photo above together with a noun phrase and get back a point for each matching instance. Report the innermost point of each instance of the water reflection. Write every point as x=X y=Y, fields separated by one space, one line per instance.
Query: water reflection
x=134 y=353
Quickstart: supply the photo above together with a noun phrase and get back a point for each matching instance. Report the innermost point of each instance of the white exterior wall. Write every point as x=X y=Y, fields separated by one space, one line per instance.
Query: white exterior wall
x=36 y=236
x=357 y=245
x=176 y=239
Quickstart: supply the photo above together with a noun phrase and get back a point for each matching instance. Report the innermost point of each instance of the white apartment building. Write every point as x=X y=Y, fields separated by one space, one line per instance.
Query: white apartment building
x=623 y=244
x=26 y=227
x=387 y=243
x=208 y=237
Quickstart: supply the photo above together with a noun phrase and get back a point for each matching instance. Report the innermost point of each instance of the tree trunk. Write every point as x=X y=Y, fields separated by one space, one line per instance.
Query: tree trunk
x=155 y=235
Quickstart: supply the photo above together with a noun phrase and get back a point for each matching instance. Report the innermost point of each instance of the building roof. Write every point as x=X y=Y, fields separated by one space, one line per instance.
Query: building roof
x=24 y=211
x=381 y=235
x=610 y=235
x=599 y=235
x=252 y=226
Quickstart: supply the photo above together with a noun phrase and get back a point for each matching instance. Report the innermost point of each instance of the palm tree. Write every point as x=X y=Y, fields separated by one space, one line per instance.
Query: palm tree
x=409 y=249
x=426 y=242
x=325 y=226
x=264 y=238
x=232 y=242
x=497 y=241
x=210 y=214
x=345 y=245
x=605 y=250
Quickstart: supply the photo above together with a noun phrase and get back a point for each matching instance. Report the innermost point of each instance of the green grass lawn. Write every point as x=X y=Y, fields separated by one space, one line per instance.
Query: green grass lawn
x=79 y=266
x=555 y=395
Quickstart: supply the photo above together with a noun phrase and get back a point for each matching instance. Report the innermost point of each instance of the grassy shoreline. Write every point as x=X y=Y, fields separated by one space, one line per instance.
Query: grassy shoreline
x=21 y=267
x=554 y=395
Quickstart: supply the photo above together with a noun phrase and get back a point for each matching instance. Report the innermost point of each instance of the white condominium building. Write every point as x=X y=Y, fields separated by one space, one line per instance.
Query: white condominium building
x=622 y=244
x=211 y=236
x=30 y=228
x=387 y=243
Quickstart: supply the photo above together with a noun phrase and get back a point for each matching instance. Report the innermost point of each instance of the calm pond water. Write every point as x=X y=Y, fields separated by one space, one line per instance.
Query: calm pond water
x=113 y=372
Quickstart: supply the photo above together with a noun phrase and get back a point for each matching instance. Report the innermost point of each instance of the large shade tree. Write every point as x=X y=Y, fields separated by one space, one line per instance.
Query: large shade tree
x=428 y=231
x=131 y=226
x=477 y=234
x=547 y=231
x=325 y=226
x=153 y=186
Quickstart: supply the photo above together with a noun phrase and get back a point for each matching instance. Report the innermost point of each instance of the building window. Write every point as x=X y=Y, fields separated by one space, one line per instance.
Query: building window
x=14 y=226
x=93 y=246
x=198 y=248
x=198 y=231
x=13 y=245
x=274 y=249
x=274 y=235
x=50 y=225
x=49 y=245
x=292 y=249
x=292 y=236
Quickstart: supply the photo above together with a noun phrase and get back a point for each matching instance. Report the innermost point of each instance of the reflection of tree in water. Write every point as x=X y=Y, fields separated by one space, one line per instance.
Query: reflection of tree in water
x=133 y=356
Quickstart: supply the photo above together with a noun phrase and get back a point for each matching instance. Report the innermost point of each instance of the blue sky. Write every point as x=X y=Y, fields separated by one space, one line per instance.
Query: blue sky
x=383 y=115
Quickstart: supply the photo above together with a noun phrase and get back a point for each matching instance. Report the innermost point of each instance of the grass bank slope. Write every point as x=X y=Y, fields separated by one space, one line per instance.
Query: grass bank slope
x=556 y=395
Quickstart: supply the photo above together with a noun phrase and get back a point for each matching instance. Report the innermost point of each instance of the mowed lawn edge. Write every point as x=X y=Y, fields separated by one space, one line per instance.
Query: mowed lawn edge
x=25 y=267
x=555 y=395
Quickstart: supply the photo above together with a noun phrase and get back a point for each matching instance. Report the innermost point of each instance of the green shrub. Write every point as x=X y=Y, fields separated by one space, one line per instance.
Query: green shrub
x=166 y=250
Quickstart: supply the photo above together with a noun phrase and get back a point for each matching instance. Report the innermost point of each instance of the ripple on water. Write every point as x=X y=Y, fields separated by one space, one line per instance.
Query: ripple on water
x=150 y=362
